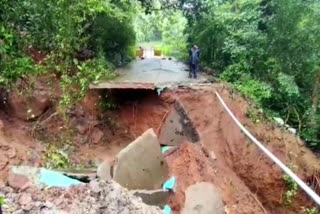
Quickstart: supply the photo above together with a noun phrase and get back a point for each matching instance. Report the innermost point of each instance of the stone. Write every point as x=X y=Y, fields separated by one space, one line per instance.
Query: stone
x=27 y=207
x=7 y=189
x=141 y=164
x=292 y=130
x=3 y=162
x=16 y=181
x=94 y=186
x=279 y=121
x=203 y=198
x=25 y=199
x=82 y=128
x=153 y=197
x=28 y=107
x=212 y=155
x=104 y=171
x=97 y=135
x=2 y=184
x=11 y=153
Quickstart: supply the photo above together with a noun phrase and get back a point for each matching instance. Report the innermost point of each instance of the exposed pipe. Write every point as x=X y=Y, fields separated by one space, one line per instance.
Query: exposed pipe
x=303 y=185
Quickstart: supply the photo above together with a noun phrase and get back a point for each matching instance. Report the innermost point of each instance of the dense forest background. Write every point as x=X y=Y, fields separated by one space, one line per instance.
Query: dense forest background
x=267 y=49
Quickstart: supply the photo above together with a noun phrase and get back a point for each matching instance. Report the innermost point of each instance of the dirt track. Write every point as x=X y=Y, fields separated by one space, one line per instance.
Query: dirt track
x=248 y=181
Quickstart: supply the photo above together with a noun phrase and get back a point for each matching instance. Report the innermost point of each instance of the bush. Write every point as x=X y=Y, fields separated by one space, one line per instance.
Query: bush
x=256 y=90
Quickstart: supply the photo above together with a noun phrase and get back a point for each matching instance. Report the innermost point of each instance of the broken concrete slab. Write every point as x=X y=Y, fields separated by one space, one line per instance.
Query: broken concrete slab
x=203 y=198
x=141 y=164
x=171 y=132
x=104 y=171
x=157 y=197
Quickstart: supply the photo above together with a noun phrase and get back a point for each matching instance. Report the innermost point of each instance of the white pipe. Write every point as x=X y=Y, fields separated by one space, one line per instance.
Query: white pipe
x=303 y=185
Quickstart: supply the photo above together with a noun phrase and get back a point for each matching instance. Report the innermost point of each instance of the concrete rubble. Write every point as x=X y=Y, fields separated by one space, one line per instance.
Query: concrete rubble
x=140 y=167
x=141 y=164
x=157 y=197
x=96 y=197
x=104 y=171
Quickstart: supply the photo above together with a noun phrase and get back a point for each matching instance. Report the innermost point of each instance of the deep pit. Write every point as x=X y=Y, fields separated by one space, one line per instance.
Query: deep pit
x=208 y=147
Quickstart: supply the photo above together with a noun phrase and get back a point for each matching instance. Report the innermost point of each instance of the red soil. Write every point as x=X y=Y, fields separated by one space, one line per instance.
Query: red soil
x=245 y=176
x=239 y=160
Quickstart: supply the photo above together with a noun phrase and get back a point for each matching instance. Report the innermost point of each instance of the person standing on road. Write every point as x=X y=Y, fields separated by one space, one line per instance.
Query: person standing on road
x=194 y=57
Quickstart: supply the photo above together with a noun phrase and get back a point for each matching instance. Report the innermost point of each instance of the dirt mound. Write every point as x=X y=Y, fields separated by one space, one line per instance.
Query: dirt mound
x=96 y=197
x=191 y=164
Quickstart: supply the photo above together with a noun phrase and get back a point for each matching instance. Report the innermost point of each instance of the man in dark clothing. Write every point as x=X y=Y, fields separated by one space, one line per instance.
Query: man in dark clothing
x=194 y=59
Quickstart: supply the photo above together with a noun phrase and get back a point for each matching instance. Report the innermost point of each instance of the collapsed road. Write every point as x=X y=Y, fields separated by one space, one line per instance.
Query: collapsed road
x=173 y=150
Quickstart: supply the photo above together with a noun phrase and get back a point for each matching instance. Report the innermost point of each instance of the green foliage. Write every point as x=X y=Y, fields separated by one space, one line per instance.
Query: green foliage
x=291 y=186
x=312 y=210
x=166 y=27
x=81 y=40
x=288 y=85
x=2 y=200
x=106 y=104
x=88 y=72
x=13 y=63
x=114 y=36
x=254 y=89
x=269 y=49
x=56 y=159
x=254 y=115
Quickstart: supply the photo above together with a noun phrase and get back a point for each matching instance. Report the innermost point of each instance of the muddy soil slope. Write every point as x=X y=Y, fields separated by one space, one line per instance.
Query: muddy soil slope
x=249 y=182
x=238 y=158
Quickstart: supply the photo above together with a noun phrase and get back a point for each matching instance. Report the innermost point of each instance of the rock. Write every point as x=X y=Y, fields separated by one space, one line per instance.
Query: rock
x=28 y=107
x=292 y=130
x=212 y=155
x=7 y=190
x=141 y=164
x=97 y=135
x=3 y=162
x=153 y=197
x=11 y=153
x=25 y=199
x=27 y=207
x=104 y=171
x=2 y=184
x=58 y=201
x=279 y=121
x=94 y=186
x=203 y=198
x=81 y=139
x=82 y=128
x=20 y=182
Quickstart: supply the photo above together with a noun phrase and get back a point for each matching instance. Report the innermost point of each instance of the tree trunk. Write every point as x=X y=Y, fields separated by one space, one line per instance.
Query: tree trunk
x=315 y=98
